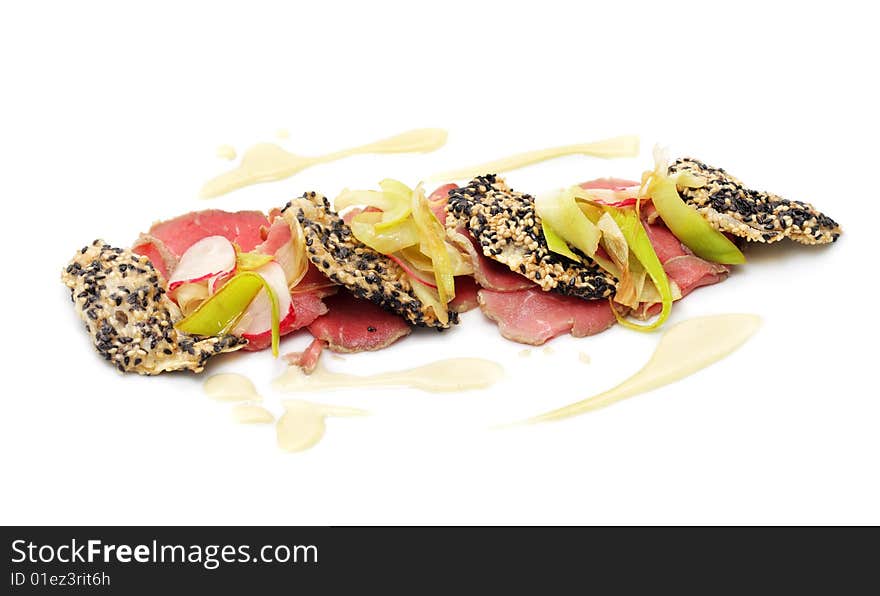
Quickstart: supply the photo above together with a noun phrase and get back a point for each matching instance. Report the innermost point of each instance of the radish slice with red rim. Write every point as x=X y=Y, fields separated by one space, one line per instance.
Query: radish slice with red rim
x=206 y=258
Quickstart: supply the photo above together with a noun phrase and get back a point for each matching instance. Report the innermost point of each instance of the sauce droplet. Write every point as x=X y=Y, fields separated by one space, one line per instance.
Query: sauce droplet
x=625 y=146
x=267 y=162
x=454 y=374
x=231 y=387
x=302 y=424
x=683 y=349
x=524 y=353
x=548 y=351
x=282 y=133
x=252 y=414
x=585 y=358
x=226 y=152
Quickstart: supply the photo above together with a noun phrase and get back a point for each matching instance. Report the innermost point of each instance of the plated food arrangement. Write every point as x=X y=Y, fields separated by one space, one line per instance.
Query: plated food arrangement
x=359 y=272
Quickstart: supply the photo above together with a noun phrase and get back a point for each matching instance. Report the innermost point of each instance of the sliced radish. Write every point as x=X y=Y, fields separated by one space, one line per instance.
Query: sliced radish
x=411 y=272
x=257 y=318
x=215 y=282
x=206 y=258
x=610 y=184
x=261 y=341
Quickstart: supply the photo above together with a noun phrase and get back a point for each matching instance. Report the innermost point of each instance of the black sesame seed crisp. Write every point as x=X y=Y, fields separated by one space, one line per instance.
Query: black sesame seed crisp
x=334 y=250
x=754 y=215
x=129 y=324
x=506 y=229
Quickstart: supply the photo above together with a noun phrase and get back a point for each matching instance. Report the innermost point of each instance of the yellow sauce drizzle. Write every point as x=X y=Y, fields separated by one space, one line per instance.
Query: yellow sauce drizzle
x=268 y=162
x=683 y=349
x=231 y=387
x=226 y=152
x=252 y=414
x=454 y=374
x=624 y=146
x=302 y=424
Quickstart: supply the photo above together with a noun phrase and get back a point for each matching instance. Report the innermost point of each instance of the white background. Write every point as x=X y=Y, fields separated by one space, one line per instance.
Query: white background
x=110 y=119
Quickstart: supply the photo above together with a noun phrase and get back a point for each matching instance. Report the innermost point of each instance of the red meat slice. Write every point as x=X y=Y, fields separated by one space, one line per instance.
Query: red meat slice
x=307 y=360
x=465 y=294
x=437 y=200
x=533 y=316
x=171 y=238
x=690 y=272
x=315 y=282
x=609 y=183
x=687 y=270
x=489 y=274
x=277 y=235
x=242 y=227
x=304 y=309
x=355 y=325
x=154 y=249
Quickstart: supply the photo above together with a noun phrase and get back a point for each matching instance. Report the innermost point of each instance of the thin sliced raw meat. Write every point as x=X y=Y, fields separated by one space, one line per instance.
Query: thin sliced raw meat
x=154 y=249
x=438 y=199
x=242 y=227
x=691 y=272
x=687 y=270
x=355 y=325
x=308 y=306
x=315 y=282
x=488 y=273
x=168 y=240
x=534 y=316
x=304 y=309
x=277 y=236
x=609 y=183
x=684 y=269
x=465 y=294
x=665 y=244
x=307 y=360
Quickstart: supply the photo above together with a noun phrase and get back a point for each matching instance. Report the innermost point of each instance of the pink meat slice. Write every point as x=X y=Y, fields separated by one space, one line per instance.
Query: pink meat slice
x=488 y=274
x=687 y=270
x=315 y=282
x=307 y=360
x=355 y=325
x=171 y=238
x=277 y=235
x=609 y=183
x=241 y=227
x=690 y=272
x=437 y=200
x=533 y=316
x=465 y=294
x=304 y=309
x=155 y=250
x=681 y=265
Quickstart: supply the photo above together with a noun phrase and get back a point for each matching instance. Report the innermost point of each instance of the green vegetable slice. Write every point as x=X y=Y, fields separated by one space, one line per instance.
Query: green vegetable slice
x=556 y=244
x=248 y=261
x=560 y=211
x=432 y=235
x=219 y=313
x=387 y=241
x=685 y=222
x=398 y=195
x=393 y=201
x=640 y=245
